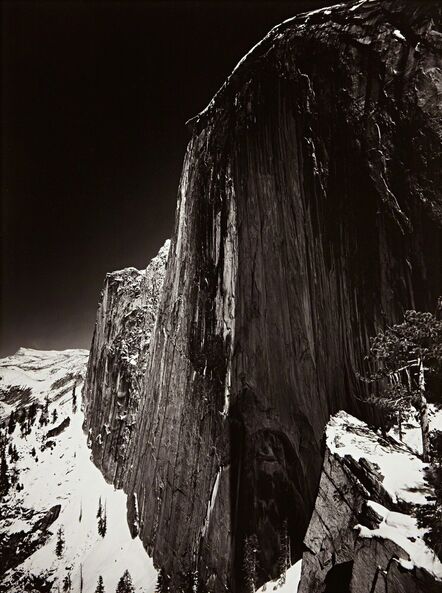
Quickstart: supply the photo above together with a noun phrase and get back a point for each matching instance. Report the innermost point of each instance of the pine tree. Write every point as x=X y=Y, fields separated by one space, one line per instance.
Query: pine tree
x=163 y=582
x=102 y=524
x=59 y=548
x=250 y=564
x=100 y=585
x=22 y=415
x=44 y=416
x=4 y=476
x=54 y=415
x=67 y=583
x=102 y=519
x=13 y=453
x=25 y=427
x=125 y=584
x=100 y=508
x=402 y=356
x=11 y=423
x=32 y=412
x=284 y=554
x=74 y=398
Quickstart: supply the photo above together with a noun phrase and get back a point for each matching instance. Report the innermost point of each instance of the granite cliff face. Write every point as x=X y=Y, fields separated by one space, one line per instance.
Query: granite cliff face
x=309 y=215
x=117 y=364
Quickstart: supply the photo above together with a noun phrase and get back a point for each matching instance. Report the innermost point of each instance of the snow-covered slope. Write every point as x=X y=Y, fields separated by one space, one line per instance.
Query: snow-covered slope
x=54 y=468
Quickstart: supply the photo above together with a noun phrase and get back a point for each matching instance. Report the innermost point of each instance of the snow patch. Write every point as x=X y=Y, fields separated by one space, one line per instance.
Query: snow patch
x=399 y=35
x=402 y=471
x=403 y=530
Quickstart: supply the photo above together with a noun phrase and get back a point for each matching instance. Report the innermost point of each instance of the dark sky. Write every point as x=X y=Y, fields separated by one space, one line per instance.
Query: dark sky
x=95 y=96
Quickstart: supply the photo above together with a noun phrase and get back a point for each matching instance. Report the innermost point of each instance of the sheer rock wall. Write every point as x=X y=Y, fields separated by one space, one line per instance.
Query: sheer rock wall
x=309 y=215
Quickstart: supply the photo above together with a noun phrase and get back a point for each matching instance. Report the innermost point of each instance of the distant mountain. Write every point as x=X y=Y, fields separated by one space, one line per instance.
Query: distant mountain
x=33 y=375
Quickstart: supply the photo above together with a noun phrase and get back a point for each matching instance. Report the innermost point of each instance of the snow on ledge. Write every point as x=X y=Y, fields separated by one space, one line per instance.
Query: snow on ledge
x=403 y=530
x=402 y=471
x=403 y=478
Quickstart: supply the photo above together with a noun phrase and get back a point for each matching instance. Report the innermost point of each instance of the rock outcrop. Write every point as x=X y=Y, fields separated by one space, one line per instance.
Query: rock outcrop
x=363 y=537
x=117 y=364
x=309 y=215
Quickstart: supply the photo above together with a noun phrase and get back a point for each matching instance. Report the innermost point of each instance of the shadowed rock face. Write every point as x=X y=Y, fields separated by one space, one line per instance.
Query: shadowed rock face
x=309 y=215
x=117 y=364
